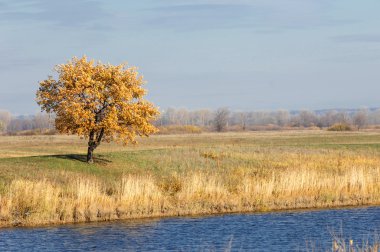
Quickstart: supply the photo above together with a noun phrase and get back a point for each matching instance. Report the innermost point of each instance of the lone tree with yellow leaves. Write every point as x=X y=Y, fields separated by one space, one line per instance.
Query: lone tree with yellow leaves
x=100 y=102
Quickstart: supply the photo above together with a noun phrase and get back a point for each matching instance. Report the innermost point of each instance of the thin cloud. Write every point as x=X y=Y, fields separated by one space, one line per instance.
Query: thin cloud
x=348 y=59
x=197 y=16
x=259 y=15
x=68 y=13
x=361 y=38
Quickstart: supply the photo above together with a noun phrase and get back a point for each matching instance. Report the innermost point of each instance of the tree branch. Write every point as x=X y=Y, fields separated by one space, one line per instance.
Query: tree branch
x=100 y=136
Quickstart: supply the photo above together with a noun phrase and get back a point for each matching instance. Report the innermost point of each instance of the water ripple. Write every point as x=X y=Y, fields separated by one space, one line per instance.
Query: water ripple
x=282 y=231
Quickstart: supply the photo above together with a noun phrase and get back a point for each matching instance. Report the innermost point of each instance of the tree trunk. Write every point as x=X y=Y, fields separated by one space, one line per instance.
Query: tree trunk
x=93 y=142
x=90 y=152
x=91 y=147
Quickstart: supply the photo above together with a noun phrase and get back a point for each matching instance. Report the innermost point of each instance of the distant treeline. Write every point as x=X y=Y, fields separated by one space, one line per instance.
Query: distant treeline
x=31 y=124
x=222 y=119
x=225 y=119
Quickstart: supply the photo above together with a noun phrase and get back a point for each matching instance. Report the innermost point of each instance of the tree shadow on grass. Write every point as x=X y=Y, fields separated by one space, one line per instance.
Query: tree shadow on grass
x=98 y=159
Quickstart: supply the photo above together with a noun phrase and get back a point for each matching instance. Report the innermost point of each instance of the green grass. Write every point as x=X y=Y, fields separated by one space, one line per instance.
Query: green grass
x=47 y=156
x=187 y=174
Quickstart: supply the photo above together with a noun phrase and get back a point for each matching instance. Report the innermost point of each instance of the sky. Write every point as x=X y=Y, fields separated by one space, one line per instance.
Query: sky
x=241 y=54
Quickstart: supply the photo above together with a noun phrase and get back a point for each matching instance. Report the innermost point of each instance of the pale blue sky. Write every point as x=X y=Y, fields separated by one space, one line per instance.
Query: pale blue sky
x=246 y=55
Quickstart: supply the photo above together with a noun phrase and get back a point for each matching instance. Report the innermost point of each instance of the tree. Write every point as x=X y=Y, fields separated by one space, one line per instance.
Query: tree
x=100 y=102
x=360 y=119
x=374 y=117
x=307 y=118
x=204 y=117
x=282 y=117
x=5 y=119
x=221 y=119
x=42 y=121
x=341 y=117
x=241 y=118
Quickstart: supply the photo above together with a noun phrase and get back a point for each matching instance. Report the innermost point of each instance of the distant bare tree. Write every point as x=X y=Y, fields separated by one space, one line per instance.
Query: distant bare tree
x=305 y=118
x=374 y=117
x=169 y=116
x=262 y=118
x=5 y=119
x=20 y=124
x=240 y=119
x=328 y=118
x=360 y=119
x=342 y=117
x=204 y=116
x=43 y=121
x=282 y=117
x=221 y=119
x=182 y=117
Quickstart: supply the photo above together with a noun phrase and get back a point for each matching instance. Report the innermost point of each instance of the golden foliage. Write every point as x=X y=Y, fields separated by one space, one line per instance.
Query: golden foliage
x=340 y=127
x=99 y=101
x=179 y=129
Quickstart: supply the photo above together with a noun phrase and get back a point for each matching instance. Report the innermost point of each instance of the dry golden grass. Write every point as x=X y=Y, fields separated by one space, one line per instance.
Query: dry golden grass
x=342 y=245
x=178 y=175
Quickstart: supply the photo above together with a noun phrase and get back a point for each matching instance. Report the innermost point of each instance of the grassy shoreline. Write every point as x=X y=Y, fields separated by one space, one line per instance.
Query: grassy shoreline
x=44 y=180
x=200 y=215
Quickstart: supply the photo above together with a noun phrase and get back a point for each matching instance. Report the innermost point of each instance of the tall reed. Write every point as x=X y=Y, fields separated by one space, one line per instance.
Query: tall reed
x=30 y=202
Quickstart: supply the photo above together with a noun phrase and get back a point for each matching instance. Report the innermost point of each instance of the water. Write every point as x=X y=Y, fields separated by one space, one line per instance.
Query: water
x=281 y=231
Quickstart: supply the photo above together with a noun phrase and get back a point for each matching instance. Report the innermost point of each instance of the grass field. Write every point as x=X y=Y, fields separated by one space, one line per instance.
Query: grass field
x=44 y=179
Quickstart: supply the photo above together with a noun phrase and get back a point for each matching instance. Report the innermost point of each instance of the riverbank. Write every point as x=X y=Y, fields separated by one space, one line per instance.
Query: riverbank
x=186 y=175
x=347 y=229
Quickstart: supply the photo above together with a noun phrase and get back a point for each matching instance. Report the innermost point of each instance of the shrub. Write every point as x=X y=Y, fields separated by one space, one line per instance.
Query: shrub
x=340 y=127
x=179 y=129
x=32 y=132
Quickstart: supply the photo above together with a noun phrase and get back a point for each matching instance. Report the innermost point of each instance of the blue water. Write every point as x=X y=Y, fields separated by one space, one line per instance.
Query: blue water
x=280 y=231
